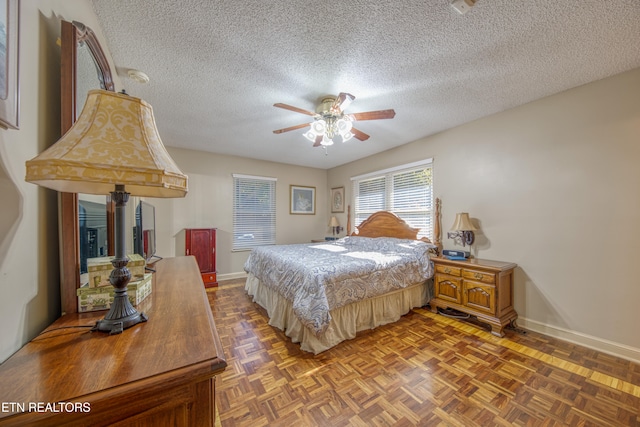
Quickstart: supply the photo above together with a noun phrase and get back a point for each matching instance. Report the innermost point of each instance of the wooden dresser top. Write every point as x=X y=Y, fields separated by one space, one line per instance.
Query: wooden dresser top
x=476 y=263
x=178 y=343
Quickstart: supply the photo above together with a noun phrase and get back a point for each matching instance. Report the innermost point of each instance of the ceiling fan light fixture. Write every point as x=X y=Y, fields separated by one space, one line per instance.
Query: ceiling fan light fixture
x=344 y=125
x=310 y=135
x=329 y=119
x=326 y=141
x=346 y=136
x=318 y=127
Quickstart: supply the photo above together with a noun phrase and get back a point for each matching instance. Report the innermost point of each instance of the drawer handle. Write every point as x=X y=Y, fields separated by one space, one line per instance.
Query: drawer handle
x=447 y=270
x=478 y=276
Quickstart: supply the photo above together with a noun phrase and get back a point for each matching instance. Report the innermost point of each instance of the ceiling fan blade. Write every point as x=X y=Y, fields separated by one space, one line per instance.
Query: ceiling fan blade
x=373 y=115
x=358 y=134
x=291 y=128
x=342 y=101
x=318 y=141
x=292 y=108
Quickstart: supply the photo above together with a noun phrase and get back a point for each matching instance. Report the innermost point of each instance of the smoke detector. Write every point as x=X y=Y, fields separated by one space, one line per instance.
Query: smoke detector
x=463 y=6
x=138 y=76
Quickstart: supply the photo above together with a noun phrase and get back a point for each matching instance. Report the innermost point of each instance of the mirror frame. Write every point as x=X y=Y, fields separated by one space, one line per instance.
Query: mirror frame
x=72 y=34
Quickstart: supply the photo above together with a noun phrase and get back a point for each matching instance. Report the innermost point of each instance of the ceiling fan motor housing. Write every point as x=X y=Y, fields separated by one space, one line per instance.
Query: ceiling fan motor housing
x=325 y=107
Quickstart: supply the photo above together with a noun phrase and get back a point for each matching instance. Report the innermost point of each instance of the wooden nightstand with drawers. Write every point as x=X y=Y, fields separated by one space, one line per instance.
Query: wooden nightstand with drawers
x=478 y=287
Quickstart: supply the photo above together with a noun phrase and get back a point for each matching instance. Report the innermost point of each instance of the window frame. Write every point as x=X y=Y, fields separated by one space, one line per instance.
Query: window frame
x=422 y=217
x=242 y=222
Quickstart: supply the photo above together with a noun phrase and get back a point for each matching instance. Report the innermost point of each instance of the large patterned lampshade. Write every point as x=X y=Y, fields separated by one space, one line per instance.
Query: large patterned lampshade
x=114 y=141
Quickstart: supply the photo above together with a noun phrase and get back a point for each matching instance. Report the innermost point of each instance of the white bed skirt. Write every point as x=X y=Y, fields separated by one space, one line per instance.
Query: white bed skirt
x=345 y=321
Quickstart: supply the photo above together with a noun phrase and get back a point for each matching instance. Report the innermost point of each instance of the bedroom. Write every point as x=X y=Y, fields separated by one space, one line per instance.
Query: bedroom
x=553 y=185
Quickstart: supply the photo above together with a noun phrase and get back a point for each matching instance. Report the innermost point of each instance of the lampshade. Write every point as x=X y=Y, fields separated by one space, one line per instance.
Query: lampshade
x=113 y=142
x=346 y=136
x=310 y=135
x=334 y=222
x=319 y=127
x=462 y=223
x=344 y=126
x=326 y=140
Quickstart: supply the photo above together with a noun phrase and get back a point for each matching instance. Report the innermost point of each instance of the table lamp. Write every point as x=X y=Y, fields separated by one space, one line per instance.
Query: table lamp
x=113 y=148
x=462 y=229
x=335 y=225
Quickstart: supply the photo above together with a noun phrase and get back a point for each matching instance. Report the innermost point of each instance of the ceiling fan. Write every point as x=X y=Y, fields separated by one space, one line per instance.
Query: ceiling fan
x=330 y=120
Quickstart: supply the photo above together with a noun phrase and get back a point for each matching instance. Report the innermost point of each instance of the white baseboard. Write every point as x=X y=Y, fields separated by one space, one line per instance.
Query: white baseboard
x=230 y=276
x=609 y=347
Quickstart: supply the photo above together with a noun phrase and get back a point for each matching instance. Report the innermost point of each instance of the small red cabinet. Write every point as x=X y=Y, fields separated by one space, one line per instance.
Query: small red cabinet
x=201 y=243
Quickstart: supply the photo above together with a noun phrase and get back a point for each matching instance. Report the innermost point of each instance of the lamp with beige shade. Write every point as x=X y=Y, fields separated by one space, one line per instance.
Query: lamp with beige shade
x=462 y=229
x=335 y=225
x=113 y=148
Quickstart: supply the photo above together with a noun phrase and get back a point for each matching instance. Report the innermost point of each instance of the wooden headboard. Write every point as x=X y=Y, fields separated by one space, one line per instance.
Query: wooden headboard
x=385 y=224
x=388 y=224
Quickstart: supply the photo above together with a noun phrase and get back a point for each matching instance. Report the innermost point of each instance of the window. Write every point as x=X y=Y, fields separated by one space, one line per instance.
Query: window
x=406 y=191
x=254 y=211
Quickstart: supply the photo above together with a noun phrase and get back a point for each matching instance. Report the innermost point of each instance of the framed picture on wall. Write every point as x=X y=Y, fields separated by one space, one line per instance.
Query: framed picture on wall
x=337 y=200
x=9 y=93
x=302 y=200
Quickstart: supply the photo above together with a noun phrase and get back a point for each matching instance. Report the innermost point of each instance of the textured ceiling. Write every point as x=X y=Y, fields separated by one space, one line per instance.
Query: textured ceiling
x=217 y=67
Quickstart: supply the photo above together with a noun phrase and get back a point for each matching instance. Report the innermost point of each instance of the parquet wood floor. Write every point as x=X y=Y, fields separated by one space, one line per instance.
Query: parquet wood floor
x=425 y=370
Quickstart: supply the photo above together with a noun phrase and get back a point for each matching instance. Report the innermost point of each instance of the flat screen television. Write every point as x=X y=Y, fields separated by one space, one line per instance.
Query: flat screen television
x=144 y=233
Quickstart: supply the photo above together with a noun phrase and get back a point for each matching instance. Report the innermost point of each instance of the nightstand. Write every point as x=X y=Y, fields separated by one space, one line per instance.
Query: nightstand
x=478 y=287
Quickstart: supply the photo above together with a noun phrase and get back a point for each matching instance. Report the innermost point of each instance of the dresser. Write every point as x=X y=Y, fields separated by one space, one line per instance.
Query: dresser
x=158 y=373
x=201 y=243
x=477 y=287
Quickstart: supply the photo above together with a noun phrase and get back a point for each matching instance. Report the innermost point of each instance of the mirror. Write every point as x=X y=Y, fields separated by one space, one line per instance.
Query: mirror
x=92 y=221
x=83 y=66
x=87 y=76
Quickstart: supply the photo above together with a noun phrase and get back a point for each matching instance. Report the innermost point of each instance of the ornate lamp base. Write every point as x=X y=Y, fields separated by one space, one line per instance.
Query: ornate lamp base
x=122 y=314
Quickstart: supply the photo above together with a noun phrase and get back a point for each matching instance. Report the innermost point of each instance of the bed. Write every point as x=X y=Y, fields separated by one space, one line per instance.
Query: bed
x=321 y=294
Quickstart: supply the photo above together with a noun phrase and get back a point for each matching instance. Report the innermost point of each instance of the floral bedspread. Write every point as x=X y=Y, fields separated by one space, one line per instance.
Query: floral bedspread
x=319 y=277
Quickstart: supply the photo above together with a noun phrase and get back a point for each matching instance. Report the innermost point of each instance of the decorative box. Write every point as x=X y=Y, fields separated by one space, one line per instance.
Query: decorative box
x=93 y=299
x=100 y=268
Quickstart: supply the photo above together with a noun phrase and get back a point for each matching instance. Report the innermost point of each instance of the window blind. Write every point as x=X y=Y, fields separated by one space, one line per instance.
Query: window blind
x=406 y=191
x=254 y=211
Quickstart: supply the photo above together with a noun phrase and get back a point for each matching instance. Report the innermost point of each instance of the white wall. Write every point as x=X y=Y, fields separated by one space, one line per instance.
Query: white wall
x=29 y=265
x=554 y=186
x=209 y=204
